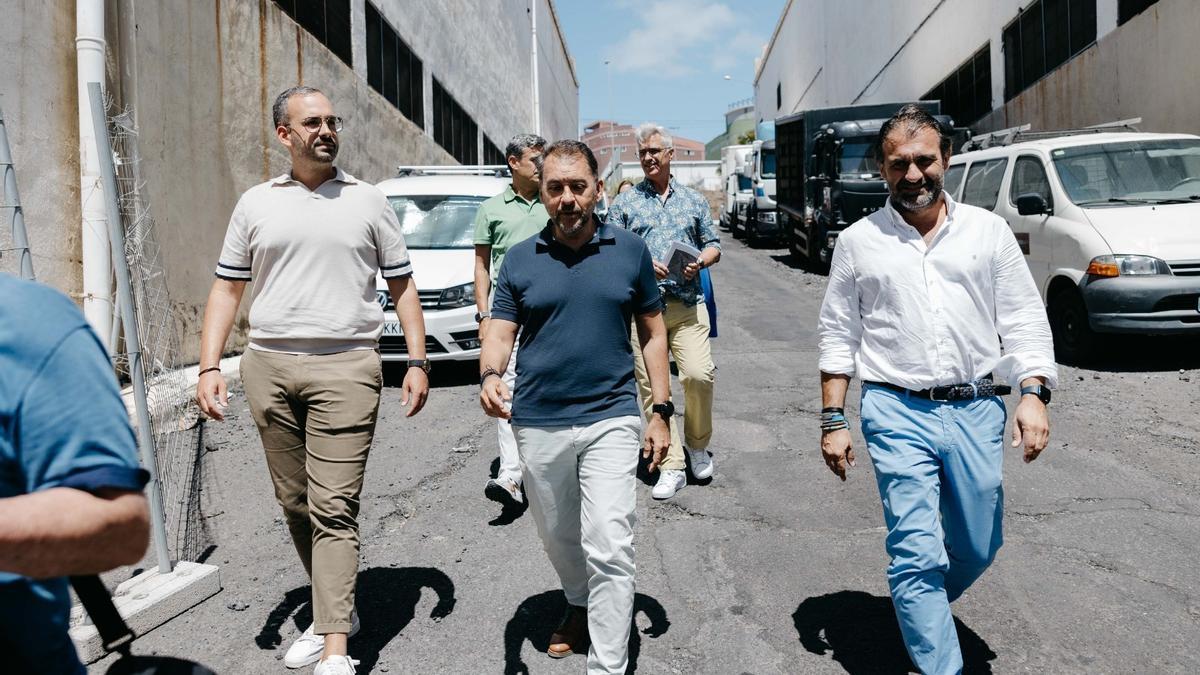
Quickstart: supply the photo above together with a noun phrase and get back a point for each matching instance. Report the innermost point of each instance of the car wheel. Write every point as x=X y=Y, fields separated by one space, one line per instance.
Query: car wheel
x=1074 y=339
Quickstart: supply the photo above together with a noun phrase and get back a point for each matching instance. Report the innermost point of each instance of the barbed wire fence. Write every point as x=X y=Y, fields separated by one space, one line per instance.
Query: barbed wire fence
x=177 y=430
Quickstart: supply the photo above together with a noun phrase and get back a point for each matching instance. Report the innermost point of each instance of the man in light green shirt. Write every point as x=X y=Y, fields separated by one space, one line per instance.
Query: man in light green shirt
x=501 y=222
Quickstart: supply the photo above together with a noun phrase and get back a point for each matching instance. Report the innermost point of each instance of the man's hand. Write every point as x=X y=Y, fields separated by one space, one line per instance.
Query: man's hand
x=660 y=270
x=690 y=270
x=416 y=390
x=494 y=397
x=658 y=439
x=212 y=395
x=1031 y=426
x=835 y=448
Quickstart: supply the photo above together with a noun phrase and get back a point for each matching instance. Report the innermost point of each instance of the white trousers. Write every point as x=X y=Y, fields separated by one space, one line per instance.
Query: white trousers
x=510 y=460
x=579 y=481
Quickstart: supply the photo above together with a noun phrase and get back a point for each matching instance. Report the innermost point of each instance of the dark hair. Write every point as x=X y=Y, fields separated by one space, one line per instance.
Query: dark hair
x=570 y=148
x=522 y=142
x=912 y=118
x=279 y=108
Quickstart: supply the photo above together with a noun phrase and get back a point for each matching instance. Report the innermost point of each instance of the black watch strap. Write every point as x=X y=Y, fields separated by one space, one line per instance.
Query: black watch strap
x=423 y=364
x=665 y=410
x=1039 y=390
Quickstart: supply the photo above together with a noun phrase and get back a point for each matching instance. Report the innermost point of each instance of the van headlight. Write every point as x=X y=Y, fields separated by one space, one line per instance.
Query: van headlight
x=1126 y=265
x=457 y=296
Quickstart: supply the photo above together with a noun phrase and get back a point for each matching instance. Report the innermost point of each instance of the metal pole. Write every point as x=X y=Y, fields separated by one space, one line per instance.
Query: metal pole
x=108 y=174
x=12 y=200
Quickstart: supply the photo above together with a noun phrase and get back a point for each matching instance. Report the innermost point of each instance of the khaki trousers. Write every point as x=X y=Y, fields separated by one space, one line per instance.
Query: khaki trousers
x=687 y=338
x=316 y=415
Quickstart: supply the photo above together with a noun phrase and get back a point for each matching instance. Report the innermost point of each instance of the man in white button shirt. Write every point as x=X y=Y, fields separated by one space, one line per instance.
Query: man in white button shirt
x=921 y=296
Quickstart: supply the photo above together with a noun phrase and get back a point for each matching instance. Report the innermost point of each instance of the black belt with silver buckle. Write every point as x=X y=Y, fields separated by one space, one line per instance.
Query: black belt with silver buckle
x=981 y=388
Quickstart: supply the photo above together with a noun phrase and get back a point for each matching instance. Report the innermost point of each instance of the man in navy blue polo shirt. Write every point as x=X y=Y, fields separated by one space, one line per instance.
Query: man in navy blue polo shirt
x=572 y=291
x=70 y=486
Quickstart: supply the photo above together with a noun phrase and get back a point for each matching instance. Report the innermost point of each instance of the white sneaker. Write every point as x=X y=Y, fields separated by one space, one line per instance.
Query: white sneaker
x=702 y=463
x=308 y=647
x=336 y=665
x=505 y=490
x=669 y=482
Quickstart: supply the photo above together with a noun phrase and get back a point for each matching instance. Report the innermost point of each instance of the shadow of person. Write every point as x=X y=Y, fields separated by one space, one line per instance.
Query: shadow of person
x=536 y=618
x=386 y=600
x=863 y=635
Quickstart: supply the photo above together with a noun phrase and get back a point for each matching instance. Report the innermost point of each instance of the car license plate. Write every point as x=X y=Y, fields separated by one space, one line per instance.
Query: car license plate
x=392 y=328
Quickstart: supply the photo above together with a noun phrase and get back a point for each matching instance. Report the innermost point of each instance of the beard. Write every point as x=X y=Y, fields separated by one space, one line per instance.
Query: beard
x=322 y=151
x=569 y=223
x=932 y=188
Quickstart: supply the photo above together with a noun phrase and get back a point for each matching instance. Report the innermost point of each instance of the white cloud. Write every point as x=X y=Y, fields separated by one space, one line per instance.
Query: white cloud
x=674 y=37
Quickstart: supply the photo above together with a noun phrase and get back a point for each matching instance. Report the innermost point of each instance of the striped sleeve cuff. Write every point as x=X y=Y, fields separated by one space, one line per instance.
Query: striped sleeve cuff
x=232 y=272
x=400 y=269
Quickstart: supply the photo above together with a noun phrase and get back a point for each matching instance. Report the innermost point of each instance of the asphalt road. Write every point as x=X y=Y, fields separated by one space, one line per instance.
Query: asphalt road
x=773 y=567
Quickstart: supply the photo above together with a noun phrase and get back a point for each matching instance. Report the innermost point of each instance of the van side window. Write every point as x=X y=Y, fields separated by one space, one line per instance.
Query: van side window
x=953 y=179
x=1029 y=176
x=983 y=183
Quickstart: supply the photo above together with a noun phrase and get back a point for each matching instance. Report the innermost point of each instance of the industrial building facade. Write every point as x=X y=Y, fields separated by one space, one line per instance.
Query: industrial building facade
x=417 y=81
x=994 y=64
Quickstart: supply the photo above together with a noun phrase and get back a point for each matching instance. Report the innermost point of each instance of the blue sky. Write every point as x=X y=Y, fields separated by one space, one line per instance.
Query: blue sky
x=668 y=58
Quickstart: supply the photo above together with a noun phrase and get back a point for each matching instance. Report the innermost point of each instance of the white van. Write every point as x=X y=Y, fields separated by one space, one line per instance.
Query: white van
x=1109 y=223
x=436 y=206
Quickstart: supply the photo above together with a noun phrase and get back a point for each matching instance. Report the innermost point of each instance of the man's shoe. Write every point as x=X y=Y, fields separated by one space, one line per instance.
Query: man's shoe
x=669 y=482
x=336 y=665
x=702 y=464
x=571 y=636
x=504 y=490
x=308 y=647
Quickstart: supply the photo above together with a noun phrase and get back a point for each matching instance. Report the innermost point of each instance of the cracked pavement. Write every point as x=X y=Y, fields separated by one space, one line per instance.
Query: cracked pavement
x=773 y=567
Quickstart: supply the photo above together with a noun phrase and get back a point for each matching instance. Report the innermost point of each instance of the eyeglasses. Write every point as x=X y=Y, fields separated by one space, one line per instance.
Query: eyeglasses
x=652 y=152
x=313 y=124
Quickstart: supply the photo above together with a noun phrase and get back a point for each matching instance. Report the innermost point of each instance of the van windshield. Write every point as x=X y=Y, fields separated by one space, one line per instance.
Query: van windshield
x=857 y=158
x=1130 y=172
x=437 y=221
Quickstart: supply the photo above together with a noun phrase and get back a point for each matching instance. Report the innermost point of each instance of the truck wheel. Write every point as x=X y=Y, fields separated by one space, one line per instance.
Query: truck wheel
x=1074 y=339
x=737 y=230
x=793 y=242
x=815 y=264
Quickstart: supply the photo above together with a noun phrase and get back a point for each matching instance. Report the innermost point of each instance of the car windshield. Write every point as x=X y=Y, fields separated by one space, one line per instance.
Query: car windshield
x=768 y=163
x=437 y=221
x=1130 y=172
x=857 y=158
x=744 y=182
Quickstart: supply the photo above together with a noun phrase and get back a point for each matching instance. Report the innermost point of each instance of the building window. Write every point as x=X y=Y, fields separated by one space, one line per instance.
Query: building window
x=966 y=94
x=1127 y=9
x=326 y=20
x=492 y=155
x=779 y=96
x=1043 y=37
x=393 y=69
x=453 y=128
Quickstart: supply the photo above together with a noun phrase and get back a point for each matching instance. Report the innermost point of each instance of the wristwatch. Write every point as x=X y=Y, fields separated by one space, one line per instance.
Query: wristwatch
x=1039 y=390
x=480 y=316
x=423 y=364
x=665 y=410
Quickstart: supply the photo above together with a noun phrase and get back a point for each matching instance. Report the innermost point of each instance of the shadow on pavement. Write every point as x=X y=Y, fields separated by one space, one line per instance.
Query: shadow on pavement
x=537 y=617
x=1145 y=353
x=387 y=599
x=442 y=374
x=861 y=631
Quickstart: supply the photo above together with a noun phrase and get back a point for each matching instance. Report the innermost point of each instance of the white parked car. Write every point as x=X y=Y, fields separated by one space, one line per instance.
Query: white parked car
x=1109 y=224
x=436 y=207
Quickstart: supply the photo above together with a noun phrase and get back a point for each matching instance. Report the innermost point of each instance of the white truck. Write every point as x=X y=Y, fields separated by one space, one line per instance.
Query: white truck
x=737 y=184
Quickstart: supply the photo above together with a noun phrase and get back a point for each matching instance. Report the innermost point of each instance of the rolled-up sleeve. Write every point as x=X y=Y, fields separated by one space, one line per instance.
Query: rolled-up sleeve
x=1028 y=348
x=840 y=322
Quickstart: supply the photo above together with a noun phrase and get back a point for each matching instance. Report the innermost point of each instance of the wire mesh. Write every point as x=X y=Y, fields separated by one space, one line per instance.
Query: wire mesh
x=174 y=418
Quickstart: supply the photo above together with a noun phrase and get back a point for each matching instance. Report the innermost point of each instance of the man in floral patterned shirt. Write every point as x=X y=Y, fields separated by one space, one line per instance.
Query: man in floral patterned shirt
x=662 y=211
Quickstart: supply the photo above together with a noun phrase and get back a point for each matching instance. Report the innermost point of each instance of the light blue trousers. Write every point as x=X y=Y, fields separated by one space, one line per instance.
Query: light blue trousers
x=938 y=466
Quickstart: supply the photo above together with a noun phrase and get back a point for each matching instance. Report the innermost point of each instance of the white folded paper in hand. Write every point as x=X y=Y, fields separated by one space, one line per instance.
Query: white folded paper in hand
x=678 y=256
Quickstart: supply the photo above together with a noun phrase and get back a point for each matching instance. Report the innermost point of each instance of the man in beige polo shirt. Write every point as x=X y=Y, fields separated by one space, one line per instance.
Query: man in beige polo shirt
x=310 y=244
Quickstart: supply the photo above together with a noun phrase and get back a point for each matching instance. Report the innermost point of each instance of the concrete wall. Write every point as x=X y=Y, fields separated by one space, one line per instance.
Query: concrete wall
x=201 y=75
x=866 y=51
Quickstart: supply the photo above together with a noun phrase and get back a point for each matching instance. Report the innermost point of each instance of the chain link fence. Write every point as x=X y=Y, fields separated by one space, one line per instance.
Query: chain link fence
x=177 y=429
